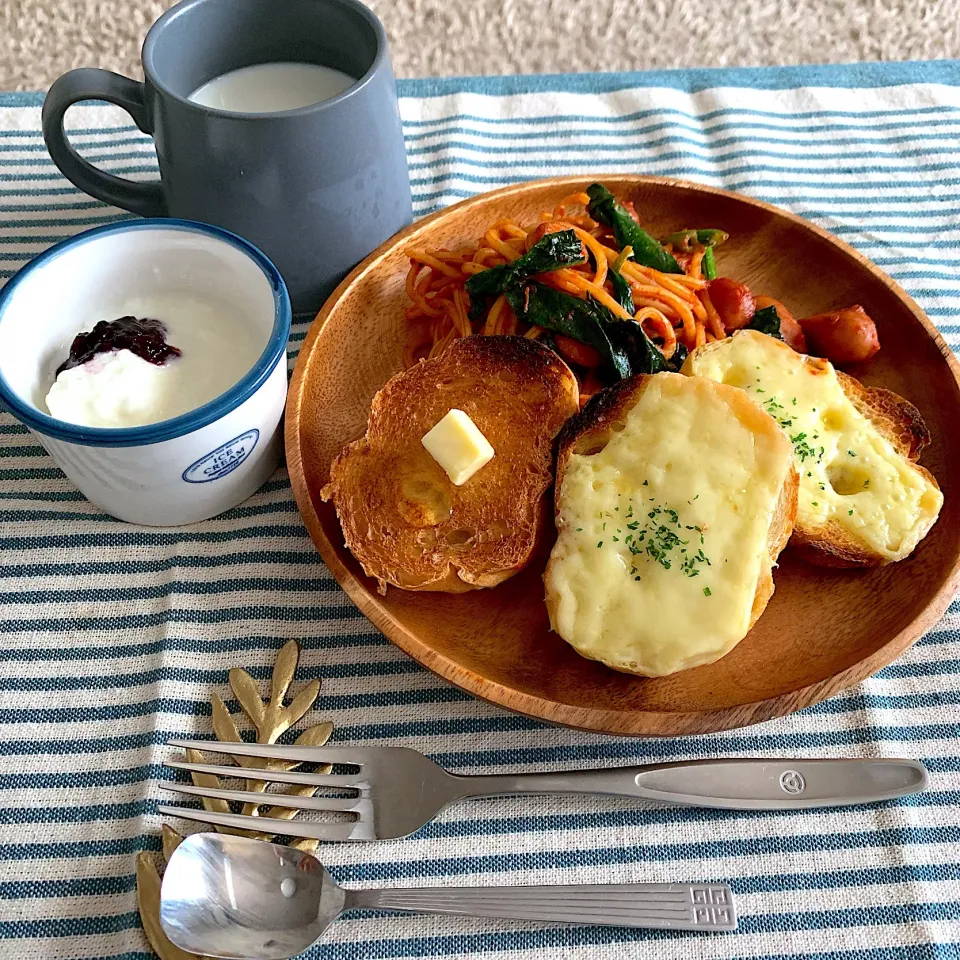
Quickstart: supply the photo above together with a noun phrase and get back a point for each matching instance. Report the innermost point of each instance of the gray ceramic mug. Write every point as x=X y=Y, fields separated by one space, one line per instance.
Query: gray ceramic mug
x=316 y=188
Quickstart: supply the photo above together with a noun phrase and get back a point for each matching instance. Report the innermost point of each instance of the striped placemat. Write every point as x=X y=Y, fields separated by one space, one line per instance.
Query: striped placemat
x=113 y=636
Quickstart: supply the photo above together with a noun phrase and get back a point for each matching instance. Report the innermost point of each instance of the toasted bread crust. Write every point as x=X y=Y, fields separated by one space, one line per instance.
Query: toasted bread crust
x=604 y=415
x=898 y=421
x=403 y=519
x=780 y=532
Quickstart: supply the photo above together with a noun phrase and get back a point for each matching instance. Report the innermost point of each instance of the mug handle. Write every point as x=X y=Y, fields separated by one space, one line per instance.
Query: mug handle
x=92 y=84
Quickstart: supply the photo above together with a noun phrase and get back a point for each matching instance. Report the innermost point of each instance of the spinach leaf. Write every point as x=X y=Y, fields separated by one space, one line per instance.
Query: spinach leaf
x=622 y=343
x=560 y=312
x=690 y=240
x=766 y=321
x=686 y=240
x=644 y=355
x=647 y=251
x=551 y=252
x=621 y=290
x=709 y=264
x=678 y=358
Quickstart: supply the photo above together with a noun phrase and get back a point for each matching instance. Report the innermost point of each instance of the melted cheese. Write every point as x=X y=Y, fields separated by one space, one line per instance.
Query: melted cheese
x=696 y=456
x=849 y=472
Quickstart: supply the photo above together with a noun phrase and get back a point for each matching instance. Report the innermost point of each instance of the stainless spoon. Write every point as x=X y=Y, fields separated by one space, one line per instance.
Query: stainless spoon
x=225 y=896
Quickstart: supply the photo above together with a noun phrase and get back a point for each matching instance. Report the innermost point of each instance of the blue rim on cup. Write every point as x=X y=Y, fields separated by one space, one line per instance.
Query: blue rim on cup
x=273 y=353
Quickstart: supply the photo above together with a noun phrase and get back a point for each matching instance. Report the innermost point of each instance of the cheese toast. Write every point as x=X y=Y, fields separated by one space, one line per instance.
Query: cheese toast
x=404 y=519
x=674 y=497
x=863 y=501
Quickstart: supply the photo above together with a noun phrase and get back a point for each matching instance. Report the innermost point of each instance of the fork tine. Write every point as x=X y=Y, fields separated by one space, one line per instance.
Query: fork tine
x=272 y=776
x=333 y=832
x=355 y=757
x=326 y=804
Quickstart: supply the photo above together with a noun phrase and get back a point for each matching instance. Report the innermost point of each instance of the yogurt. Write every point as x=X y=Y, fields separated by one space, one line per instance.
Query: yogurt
x=120 y=389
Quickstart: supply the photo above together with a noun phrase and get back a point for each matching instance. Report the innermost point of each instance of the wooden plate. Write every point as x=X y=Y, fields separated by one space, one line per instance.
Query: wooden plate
x=822 y=632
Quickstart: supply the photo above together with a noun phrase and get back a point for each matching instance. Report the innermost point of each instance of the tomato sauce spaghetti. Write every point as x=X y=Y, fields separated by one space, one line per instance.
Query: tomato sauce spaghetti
x=671 y=308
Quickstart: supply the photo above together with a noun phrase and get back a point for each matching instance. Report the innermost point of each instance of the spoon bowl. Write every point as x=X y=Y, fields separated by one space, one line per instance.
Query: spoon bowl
x=227 y=896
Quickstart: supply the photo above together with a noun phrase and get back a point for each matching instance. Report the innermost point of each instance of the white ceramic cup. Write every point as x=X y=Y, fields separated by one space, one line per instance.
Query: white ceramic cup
x=180 y=470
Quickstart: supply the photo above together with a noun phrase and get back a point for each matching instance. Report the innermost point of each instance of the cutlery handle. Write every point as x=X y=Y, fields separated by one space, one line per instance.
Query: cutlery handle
x=734 y=784
x=668 y=906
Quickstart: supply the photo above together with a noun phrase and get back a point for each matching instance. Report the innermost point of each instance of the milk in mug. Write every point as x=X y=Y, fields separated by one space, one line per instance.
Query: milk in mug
x=272 y=87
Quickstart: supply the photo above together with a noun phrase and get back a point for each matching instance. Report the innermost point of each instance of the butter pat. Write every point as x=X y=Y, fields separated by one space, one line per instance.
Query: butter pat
x=457 y=444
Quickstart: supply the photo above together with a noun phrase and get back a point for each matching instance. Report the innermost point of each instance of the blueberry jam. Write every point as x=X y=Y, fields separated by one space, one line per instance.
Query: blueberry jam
x=146 y=337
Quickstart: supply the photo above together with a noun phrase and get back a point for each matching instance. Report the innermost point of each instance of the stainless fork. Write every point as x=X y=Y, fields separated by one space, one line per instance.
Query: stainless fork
x=397 y=790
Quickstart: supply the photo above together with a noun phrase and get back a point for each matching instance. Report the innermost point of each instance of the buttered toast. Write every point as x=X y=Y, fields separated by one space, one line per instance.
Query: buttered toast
x=862 y=500
x=404 y=519
x=674 y=496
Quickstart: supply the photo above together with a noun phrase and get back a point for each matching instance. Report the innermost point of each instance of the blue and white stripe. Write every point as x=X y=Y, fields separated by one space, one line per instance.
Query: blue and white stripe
x=111 y=636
